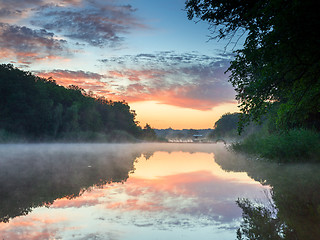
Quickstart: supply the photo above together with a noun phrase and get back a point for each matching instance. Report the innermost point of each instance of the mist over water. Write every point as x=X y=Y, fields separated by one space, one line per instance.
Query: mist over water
x=135 y=191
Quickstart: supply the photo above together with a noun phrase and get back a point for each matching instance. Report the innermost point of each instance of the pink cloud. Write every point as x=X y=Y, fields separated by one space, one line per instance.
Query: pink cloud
x=28 y=235
x=89 y=81
x=199 y=97
x=77 y=203
x=147 y=86
x=212 y=196
x=29 y=227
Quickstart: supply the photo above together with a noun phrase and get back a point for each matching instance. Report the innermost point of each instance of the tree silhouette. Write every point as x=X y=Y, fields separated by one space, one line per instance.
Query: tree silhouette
x=279 y=62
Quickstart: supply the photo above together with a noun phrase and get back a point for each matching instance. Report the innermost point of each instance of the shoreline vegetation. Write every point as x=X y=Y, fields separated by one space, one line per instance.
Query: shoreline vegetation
x=296 y=145
x=264 y=142
x=275 y=73
x=34 y=109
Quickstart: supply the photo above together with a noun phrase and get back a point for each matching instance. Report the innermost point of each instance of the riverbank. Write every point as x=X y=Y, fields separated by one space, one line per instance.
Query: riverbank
x=80 y=136
x=296 y=145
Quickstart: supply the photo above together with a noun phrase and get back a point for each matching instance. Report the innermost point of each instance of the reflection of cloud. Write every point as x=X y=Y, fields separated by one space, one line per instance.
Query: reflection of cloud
x=28 y=235
x=135 y=204
x=28 y=45
x=77 y=203
x=174 y=199
x=209 y=196
x=34 y=228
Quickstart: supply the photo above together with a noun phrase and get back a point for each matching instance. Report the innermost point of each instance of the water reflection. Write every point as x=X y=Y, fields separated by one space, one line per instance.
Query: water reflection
x=36 y=175
x=175 y=191
x=293 y=211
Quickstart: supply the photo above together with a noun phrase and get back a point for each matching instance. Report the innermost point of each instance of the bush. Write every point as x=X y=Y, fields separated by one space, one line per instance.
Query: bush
x=295 y=145
x=6 y=137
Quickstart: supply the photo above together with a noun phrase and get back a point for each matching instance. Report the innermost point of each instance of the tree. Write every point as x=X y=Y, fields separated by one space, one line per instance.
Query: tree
x=279 y=63
x=149 y=133
x=36 y=108
x=226 y=125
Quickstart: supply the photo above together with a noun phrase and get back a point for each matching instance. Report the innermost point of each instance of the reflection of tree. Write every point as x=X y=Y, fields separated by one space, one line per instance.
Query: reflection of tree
x=295 y=193
x=37 y=175
x=148 y=155
x=261 y=222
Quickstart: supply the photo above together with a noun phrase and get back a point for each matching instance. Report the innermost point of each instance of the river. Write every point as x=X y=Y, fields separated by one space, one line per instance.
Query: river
x=153 y=191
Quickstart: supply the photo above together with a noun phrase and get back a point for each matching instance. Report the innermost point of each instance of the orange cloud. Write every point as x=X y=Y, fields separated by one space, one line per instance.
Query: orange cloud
x=89 y=81
x=187 y=96
x=176 y=183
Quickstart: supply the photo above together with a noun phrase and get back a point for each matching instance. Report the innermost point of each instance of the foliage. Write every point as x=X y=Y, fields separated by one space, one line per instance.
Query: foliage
x=295 y=145
x=226 y=126
x=148 y=133
x=38 y=109
x=279 y=62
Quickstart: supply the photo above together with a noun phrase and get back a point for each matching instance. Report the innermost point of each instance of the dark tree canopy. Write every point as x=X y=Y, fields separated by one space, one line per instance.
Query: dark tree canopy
x=279 y=64
x=38 y=109
x=149 y=133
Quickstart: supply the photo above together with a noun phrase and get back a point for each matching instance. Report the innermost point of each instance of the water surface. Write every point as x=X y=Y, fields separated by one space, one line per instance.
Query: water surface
x=135 y=191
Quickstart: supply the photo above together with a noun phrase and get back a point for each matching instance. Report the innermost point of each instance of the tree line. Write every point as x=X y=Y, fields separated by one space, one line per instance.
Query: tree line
x=38 y=109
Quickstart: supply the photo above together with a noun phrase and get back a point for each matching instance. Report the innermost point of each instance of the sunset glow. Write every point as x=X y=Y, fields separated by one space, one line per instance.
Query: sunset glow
x=144 y=52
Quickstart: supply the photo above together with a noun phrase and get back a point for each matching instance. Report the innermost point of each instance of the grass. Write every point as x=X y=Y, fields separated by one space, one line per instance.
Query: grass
x=297 y=145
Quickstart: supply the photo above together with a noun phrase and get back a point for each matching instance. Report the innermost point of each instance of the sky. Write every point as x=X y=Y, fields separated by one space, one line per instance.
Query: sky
x=145 y=52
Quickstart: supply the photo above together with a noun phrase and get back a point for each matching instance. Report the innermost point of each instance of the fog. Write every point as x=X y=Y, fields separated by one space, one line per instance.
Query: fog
x=34 y=175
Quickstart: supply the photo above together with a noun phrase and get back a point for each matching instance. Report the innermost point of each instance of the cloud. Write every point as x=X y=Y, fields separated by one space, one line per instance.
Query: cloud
x=18 y=4
x=137 y=75
x=98 y=23
x=68 y=74
x=188 y=80
x=87 y=80
x=15 y=10
x=35 y=30
x=27 y=45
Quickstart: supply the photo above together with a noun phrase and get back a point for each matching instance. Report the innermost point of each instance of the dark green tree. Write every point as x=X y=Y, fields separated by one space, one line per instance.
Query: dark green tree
x=279 y=62
x=38 y=109
x=226 y=125
x=148 y=133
